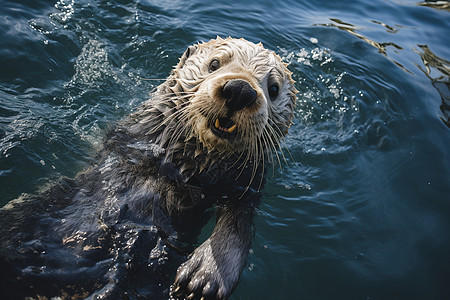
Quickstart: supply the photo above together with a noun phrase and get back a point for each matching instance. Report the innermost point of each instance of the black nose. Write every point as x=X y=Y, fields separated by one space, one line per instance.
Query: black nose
x=238 y=94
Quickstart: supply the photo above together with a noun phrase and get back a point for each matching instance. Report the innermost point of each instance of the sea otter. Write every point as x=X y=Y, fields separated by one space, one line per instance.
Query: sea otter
x=200 y=143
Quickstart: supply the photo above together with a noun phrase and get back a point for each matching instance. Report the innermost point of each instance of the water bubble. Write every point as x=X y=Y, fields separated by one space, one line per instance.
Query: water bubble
x=304 y=186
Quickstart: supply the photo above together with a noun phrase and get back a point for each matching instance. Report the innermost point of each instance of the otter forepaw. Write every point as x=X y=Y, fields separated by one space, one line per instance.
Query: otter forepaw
x=210 y=273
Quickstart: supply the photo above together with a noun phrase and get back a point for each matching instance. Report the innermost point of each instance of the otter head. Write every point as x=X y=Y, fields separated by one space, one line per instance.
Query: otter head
x=237 y=95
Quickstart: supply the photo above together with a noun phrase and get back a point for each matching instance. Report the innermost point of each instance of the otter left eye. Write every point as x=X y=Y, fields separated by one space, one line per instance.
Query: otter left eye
x=273 y=91
x=214 y=65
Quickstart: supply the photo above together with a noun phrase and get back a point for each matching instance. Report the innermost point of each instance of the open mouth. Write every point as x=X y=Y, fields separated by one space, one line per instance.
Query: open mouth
x=224 y=128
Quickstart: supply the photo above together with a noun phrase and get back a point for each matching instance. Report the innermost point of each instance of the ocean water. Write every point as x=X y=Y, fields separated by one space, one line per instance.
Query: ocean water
x=360 y=206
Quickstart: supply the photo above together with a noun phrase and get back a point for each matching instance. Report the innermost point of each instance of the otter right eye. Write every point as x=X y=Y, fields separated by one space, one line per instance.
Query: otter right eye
x=214 y=65
x=273 y=91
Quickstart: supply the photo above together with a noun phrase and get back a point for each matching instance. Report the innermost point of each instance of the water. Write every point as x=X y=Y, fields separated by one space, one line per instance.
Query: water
x=360 y=208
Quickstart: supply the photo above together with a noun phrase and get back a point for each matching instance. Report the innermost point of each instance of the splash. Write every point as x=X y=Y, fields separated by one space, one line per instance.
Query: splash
x=322 y=95
x=307 y=57
x=65 y=11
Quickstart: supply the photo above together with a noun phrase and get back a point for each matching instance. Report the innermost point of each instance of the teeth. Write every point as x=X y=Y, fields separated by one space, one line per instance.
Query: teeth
x=232 y=128
x=229 y=130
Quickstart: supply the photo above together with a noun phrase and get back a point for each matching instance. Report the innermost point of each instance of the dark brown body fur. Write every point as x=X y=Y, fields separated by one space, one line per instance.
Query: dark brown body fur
x=121 y=228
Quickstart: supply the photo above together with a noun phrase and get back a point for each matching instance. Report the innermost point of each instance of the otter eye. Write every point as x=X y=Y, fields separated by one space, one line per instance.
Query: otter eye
x=214 y=65
x=273 y=91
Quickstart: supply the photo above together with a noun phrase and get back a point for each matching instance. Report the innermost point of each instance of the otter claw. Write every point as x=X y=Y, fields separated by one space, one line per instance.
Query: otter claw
x=176 y=289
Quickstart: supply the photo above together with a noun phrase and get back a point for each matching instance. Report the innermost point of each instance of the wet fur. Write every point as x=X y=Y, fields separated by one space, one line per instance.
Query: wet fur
x=159 y=170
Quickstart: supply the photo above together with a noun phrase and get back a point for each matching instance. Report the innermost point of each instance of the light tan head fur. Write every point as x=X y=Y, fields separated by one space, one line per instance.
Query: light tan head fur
x=199 y=82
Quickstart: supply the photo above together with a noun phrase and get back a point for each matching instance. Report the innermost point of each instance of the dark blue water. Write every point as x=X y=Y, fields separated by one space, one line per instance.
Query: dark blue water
x=359 y=209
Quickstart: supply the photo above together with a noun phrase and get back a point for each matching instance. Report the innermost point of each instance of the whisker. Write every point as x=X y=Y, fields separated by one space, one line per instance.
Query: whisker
x=150 y=79
x=277 y=136
x=273 y=144
x=268 y=149
x=176 y=114
x=261 y=180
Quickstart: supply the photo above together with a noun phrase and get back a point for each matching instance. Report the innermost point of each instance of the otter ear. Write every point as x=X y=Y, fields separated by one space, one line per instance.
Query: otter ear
x=189 y=52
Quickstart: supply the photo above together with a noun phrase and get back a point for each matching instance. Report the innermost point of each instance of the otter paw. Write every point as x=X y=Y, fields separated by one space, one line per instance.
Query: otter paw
x=210 y=273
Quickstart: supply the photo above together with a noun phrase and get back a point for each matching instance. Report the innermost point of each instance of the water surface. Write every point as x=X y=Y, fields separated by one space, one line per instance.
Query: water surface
x=360 y=207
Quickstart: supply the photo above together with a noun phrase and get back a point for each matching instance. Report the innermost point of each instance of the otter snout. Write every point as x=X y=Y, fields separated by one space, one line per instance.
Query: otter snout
x=238 y=94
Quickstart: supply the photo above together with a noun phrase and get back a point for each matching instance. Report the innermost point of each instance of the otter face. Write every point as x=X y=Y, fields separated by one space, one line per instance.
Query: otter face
x=241 y=95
